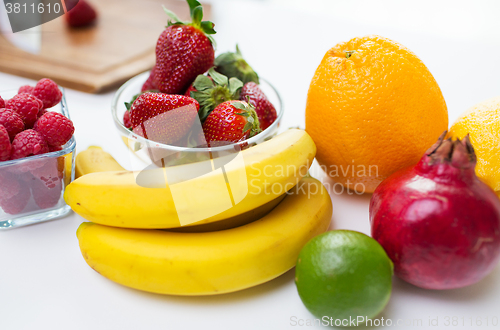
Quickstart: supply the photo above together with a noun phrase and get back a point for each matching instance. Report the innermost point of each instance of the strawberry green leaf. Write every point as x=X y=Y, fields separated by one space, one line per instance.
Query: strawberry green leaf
x=219 y=79
x=240 y=106
x=255 y=123
x=197 y=16
x=234 y=65
x=172 y=15
x=234 y=86
x=247 y=126
x=208 y=27
x=192 y=6
x=202 y=83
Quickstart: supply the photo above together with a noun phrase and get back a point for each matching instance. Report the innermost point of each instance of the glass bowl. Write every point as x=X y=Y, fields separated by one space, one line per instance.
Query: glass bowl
x=32 y=188
x=163 y=155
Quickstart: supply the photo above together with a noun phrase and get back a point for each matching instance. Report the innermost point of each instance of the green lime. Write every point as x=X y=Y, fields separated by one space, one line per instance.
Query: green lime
x=344 y=274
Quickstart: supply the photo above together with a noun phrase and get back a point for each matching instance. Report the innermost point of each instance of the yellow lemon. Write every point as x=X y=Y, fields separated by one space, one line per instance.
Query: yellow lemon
x=482 y=122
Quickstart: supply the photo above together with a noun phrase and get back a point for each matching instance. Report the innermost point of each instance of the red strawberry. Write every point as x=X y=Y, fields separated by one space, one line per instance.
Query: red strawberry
x=80 y=13
x=265 y=109
x=48 y=92
x=212 y=90
x=229 y=122
x=149 y=85
x=5 y=145
x=126 y=119
x=183 y=51
x=2 y=103
x=12 y=122
x=27 y=106
x=162 y=117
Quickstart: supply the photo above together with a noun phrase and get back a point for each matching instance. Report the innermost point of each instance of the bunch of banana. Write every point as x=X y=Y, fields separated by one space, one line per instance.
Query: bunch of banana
x=247 y=245
x=212 y=262
x=257 y=176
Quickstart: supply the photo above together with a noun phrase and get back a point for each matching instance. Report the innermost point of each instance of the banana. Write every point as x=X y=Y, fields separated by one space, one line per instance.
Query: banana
x=93 y=160
x=233 y=222
x=260 y=174
x=210 y=263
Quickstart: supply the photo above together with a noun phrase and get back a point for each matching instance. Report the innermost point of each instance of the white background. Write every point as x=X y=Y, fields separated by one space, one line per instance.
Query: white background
x=44 y=281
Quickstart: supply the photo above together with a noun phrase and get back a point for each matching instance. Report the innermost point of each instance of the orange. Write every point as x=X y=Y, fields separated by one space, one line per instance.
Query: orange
x=373 y=108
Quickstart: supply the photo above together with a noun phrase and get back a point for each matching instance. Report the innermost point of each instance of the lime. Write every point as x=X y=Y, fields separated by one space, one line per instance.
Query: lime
x=344 y=274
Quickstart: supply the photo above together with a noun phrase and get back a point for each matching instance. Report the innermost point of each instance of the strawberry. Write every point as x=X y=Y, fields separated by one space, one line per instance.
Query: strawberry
x=230 y=122
x=183 y=51
x=214 y=89
x=149 y=85
x=163 y=118
x=234 y=65
x=126 y=120
x=80 y=13
x=265 y=109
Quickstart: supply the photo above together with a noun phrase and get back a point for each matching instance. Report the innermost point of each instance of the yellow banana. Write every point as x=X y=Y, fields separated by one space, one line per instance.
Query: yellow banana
x=210 y=263
x=93 y=160
x=266 y=171
x=233 y=222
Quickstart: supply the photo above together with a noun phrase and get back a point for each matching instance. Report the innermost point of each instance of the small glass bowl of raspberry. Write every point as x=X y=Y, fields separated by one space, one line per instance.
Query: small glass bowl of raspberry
x=146 y=152
x=32 y=188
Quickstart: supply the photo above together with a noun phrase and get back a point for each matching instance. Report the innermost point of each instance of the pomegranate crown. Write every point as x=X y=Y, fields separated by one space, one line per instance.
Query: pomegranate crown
x=458 y=153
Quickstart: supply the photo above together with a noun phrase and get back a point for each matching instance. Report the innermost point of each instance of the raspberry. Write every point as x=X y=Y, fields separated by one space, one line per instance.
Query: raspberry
x=52 y=149
x=48 y=92
x=55 y=128
x=17 y=202
x=44 y=196
x=25 y=89
x=50 y=173
x=126 y=120
x=27 y=106
x=5 y=146
x=28 y=143
x=2 y=103
x=9 y=185
x=12 y=122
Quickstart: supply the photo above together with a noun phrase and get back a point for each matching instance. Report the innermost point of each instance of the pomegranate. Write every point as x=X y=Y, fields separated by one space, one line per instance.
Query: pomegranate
x=437 y=221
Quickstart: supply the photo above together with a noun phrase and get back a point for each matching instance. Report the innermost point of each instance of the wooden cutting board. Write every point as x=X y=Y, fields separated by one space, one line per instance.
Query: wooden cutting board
x=120 y=46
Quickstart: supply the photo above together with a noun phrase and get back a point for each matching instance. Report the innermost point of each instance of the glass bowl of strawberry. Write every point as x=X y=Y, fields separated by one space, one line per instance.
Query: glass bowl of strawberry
x=36 y=154
x=175 y=129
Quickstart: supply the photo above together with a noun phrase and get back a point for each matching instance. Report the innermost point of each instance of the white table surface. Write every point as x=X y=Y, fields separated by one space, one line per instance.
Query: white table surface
x=44 y=281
